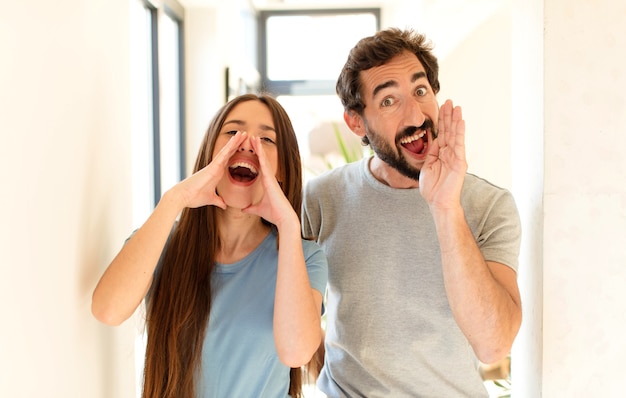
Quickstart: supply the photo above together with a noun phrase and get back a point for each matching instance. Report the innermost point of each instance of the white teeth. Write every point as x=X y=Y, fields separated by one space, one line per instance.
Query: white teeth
x=244 y=164
x=412 y=138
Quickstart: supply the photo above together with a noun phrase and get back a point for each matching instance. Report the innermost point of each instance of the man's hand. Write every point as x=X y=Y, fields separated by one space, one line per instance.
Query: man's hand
x=443 y=173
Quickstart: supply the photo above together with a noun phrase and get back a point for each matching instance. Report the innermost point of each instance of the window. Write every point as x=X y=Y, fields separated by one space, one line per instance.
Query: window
x=171 y=165
x=158 y=130
x=302 y=51
x=157 y=102
x=143 y=23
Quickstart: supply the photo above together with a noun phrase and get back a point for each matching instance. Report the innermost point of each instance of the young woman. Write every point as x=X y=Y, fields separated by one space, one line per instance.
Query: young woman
x=233 y=293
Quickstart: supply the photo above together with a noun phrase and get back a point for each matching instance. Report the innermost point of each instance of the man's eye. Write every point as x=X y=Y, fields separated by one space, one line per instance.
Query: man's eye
x=386 y=102
x=421 y=91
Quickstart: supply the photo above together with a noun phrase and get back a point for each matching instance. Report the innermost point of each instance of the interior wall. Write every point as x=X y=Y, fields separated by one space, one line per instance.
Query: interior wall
x=569 y=102
x=65 y=172
x=528 y=188
x=206 y=71
x=584 y=315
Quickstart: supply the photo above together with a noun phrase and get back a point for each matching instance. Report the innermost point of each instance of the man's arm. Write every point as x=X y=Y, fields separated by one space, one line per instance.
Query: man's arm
x=483 y=295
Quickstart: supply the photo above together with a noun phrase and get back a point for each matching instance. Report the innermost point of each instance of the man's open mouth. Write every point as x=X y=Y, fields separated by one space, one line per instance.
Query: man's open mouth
x=417 y=143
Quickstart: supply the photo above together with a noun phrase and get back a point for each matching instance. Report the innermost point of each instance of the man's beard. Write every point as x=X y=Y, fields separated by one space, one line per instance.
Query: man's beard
x=394 y=157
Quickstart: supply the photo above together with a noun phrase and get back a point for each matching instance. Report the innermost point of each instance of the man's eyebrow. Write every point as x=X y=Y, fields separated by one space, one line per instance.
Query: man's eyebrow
x=389 y=83
x=393 y=83
x=417 y=76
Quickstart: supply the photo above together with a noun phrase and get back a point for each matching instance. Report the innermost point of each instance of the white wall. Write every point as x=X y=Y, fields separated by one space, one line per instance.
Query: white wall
x=569 y=130
x=204 y=76
x=528 y=188
x=65 y=172
x=584 y=272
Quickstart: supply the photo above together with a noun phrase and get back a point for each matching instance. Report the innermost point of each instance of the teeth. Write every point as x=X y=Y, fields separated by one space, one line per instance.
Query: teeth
x=412 y=138
x=246 y=165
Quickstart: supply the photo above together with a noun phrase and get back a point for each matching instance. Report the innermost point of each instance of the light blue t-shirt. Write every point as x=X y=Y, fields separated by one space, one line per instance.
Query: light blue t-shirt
x=239 y=357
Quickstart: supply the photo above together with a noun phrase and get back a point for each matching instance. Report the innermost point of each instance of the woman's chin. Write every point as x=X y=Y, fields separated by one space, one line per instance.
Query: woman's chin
x=238 y=204
x=240 y=201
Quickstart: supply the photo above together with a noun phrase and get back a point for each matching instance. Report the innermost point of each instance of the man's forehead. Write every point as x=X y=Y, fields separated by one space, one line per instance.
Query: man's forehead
x=401 y=67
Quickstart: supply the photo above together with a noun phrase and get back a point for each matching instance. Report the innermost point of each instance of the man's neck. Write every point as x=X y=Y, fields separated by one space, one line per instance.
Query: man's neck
x=390 y=176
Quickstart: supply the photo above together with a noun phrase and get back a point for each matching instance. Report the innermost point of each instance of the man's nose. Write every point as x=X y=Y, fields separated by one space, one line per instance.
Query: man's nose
x=413 y=114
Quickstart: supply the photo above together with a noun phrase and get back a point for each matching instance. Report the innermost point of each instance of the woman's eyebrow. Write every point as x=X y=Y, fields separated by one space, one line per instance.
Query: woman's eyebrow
x=238 y=122
x=235 y=121
x=265 y=127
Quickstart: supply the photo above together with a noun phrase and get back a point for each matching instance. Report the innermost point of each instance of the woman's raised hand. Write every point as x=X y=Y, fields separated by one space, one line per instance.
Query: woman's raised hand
x=199 y=189
x=274 y=206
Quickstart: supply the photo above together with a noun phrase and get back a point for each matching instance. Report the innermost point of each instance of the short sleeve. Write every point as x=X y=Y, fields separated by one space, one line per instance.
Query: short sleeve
x=316 y=265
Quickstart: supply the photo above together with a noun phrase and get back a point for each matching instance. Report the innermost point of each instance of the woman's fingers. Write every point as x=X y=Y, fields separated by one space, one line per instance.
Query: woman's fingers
x=229 y=149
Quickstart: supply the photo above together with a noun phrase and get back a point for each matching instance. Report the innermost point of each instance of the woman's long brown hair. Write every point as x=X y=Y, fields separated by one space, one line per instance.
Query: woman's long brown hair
x=179 y=301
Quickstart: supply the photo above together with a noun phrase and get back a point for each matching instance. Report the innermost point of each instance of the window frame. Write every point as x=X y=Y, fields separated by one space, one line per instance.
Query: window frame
x=299 y=87
x=175 y=11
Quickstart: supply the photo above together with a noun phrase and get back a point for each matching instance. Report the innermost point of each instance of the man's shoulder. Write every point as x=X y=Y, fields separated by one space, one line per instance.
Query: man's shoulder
x=478 y=192
x=337 y=175
x=475 y=185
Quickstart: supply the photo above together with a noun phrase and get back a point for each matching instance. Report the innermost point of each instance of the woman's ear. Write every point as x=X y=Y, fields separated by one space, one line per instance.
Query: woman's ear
x=354 y=122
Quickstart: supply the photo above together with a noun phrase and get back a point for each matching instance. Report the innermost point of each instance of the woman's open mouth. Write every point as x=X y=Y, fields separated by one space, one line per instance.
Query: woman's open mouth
x=243 y=172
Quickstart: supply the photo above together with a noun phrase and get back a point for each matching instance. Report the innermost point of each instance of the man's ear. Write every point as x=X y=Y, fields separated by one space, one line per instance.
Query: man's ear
x=354 y=122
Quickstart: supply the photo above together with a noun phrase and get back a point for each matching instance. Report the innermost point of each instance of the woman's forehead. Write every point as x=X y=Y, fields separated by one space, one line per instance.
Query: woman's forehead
x=250 y=113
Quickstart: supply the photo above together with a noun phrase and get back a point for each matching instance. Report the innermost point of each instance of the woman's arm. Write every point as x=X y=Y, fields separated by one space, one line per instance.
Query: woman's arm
x=297 y=306
x=127 y=279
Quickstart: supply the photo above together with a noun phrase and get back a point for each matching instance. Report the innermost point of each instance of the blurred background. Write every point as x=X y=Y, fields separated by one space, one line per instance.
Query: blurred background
x=103 y=104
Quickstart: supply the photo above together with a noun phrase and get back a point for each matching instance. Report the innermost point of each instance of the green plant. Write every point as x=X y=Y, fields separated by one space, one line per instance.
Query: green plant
x=349 y=153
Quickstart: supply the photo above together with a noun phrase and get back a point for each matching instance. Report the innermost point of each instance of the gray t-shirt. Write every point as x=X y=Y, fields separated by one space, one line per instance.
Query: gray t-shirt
x=390 y=331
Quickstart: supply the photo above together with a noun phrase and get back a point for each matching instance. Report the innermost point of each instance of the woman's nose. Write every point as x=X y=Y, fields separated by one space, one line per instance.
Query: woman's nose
x=246 y=145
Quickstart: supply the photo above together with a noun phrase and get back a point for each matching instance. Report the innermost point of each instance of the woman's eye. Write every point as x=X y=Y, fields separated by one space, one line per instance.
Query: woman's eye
x=268 y=140
x=421 y=91
x=232 y=132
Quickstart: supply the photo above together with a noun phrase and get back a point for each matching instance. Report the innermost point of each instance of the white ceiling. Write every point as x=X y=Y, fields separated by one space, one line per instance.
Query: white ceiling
x=308 y=4
x=314 y=4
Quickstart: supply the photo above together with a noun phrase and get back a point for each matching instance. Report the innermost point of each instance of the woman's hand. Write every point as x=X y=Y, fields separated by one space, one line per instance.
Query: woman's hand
x=199 y=189
x=274 y=206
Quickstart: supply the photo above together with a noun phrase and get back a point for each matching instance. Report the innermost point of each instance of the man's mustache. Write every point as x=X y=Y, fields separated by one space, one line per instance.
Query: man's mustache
x=411 y=130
